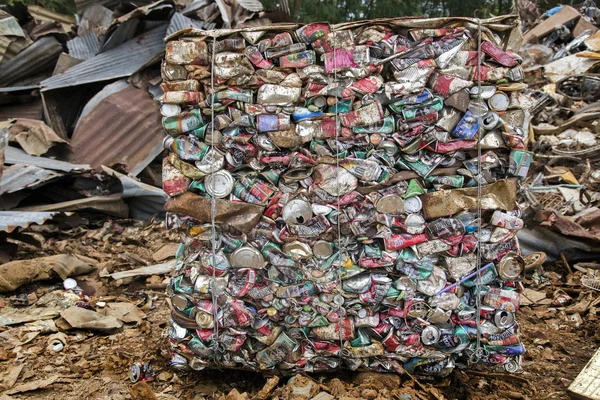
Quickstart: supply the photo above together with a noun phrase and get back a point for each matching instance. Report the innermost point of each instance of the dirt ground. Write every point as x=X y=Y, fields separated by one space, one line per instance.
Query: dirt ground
x=559 y=340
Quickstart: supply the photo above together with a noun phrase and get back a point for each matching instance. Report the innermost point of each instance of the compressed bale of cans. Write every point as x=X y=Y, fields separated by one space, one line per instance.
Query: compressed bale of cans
x=346 y=195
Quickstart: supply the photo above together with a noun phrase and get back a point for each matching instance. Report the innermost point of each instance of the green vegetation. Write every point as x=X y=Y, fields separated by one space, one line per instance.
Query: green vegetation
x=352 y=10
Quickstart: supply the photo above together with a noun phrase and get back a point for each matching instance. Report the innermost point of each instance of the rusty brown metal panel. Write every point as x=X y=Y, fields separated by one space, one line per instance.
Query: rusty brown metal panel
x=124 y=128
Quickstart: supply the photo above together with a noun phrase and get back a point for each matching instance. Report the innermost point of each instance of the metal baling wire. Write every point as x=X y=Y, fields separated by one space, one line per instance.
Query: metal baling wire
x=477 y=354
x=337 y=179
x=213 y=209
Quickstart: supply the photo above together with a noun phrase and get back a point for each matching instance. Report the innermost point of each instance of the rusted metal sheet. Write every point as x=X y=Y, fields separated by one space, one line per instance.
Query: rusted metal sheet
x=39 y=56
x=29 y=110
x=237 y=215
x=500 y=195
x=123 y=128
x=11 y=220
x=116 y=63
x=18 y=177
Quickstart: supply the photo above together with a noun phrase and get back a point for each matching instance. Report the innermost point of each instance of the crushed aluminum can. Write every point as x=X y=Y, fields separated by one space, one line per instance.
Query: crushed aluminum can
x=219 y=184
x=139 y=371
x=499 y=101
x=247 y=257
x=519 y=163
x=506 y=220
x=297 y=212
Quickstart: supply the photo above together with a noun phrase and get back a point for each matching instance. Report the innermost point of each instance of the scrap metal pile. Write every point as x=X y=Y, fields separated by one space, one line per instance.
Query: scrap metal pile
x=66 y=81
x=561 y=56
x=347 y=195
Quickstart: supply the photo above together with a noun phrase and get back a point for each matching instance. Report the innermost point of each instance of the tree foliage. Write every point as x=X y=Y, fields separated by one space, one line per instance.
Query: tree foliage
x=352 y=10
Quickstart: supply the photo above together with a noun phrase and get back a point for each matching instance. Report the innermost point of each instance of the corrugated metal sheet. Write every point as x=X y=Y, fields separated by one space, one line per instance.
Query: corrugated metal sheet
x=83 y=4
x=10 y=89
x=180 y=21
x=10 y=220
x=30 y=110
x=123 y=128
x=41 y=55
x=116 y=63
x=84 y=47
x=9 y=26
x=18 y=177
x=13 y=155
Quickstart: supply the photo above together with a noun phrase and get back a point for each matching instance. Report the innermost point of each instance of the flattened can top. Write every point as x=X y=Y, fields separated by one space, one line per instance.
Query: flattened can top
x=511 y=266
x=413 y=204
x=322 y=249
x=430 y=335
x=297 y=212
x=247 y=257
x=485 y=93
x=170 y=110
x=504 y=319
x=499 y=101
x=390 y=204
x=219 y=184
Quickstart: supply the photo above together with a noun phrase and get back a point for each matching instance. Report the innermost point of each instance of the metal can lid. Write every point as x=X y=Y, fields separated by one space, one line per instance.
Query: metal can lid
x=413 y=204
x=204 y=320
x=297 y=212
x=289 y=319
x=180 y=302
x=135 y=372
x=297 y=250
x=499 y=101
x=390 y=204
x=415 y=223
x=362 y=313
x=486 y=91
x=219 y=184
x=319 y=101
x=512 y=366
x=322 y=249
x=430 y=335
x=69 y=284
x=339 y=299
x=490 y=120
x=504 y=319
x=510 y=267
x=169 y=110
x=247 y=257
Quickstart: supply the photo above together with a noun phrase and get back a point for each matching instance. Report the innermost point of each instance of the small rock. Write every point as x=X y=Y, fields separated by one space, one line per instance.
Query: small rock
x=302 y=387
x=141 y=391
x=265 y=392
x=167 y=251
x=323 y=396
x=337 y=387
x=390 y=381
x=369 y=394
x=235 y=395
x=164 y=376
